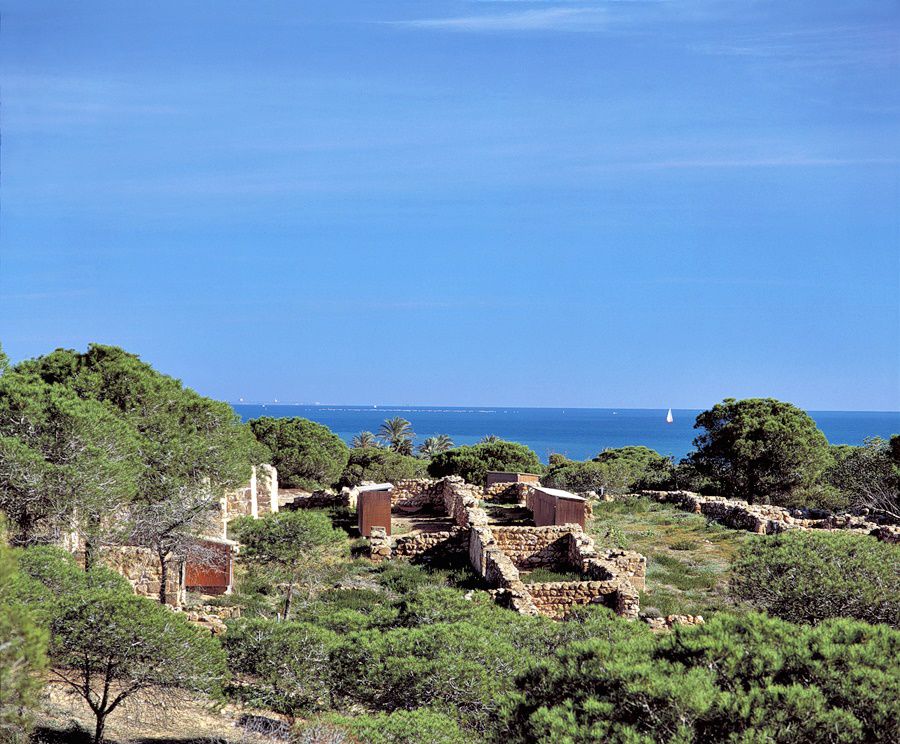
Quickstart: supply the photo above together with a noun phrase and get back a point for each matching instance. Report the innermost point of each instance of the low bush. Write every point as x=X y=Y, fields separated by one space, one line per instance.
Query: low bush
x=450 y=666
x=400 y=727
x=748 y=678
x=285 y=664
x=22 y=654
x=807 y=577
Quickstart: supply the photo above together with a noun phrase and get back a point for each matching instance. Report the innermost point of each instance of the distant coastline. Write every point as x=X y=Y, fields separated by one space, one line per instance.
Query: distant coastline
x=579 y=433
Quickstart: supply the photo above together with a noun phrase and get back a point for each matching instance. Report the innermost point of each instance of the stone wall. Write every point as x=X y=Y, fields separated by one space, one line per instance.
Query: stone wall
x=211 y=618
x=429 y=546
x=612 y=576
x=507 y=493
x=557 y=598
x=766 y=519
x=670 y=621
x=460 y=502
x=140 y=567
x=379 y=545
x=606 y=564
x=242 y=502
x=417 y=493
x=535 y=547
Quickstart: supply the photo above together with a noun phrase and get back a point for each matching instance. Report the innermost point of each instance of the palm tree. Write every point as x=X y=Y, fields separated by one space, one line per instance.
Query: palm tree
x=435 y=445
x=397 y=433
x=364 y=440
x=489 y=439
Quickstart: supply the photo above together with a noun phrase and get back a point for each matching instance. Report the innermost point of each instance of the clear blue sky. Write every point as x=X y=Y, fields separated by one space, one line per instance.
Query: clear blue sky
x=524 y=203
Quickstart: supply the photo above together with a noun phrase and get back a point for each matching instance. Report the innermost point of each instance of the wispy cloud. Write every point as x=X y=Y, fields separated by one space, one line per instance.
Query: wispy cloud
x=837 y=45
x=544 y=19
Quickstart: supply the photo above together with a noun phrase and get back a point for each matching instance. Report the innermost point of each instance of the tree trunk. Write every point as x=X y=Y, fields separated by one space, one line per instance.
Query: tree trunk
x=163 y=575
x=98 y=731
x=287 y=600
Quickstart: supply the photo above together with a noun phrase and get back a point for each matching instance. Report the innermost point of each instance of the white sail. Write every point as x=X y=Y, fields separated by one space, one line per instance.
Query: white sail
x=669 y=417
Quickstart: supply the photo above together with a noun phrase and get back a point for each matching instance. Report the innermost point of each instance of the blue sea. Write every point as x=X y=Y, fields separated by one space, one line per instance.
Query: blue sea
x=579 y=433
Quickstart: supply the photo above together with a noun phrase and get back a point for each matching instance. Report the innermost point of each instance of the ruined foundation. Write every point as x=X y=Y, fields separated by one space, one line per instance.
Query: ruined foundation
x=499 y=553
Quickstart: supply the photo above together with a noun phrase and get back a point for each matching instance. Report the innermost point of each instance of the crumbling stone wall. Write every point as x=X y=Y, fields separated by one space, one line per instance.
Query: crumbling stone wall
x=429 y=546
x=535 y=547
x=417 y=493
x=602 y=565
x=557 y=598
x=460 y=502
x=507 y=493
x=670 y=621
x=211 y=618
x=607 y=583
x=766 y=519
x=141 y=567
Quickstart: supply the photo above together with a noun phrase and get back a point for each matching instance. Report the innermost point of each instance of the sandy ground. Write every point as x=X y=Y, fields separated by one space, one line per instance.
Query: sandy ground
x=155 y=716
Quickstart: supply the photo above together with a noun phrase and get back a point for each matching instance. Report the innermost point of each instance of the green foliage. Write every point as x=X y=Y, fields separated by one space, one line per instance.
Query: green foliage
x=418 y=726
x=397 y=434
x=64 y=461
x=760 y=449
x=619 y=470
x=748 y=678
x=450 y=666
x=306 y=454
x=364 y=440
x=48 y=574
x=868 y=476
x=435 y=445
x=107 y=645
x=286 y=663
x=190 y=448
x=807 y=577
x=582 y=476
x=292 y=547
x=381 y=466
x=22 y=654
x=473 y=462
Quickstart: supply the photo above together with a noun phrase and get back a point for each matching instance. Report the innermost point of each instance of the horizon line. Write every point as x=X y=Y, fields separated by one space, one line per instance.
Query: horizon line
x=374 y=406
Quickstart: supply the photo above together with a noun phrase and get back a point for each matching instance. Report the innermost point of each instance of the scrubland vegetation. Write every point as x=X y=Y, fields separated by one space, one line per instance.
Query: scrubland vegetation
x=802 y=633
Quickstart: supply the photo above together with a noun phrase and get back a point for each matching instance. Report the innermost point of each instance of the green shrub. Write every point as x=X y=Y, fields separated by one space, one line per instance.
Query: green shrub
x=806 y=577
x=291 y=548
x=48 y=574
x=306 y=454
x=749 y=678
x=287 y=663
x=449 y=666
x=472 y=462
x=22 y=654
x=418 y=726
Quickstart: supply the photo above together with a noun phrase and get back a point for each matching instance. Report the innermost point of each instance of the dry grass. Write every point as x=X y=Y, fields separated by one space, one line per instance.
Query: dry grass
x=688 y=558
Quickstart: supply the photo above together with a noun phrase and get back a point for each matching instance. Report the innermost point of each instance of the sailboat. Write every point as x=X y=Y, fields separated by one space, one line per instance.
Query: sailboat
x=669 y=417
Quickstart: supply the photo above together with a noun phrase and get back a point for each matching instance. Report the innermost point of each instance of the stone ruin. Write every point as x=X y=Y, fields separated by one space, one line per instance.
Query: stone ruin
x=766 y=519
x=140 y=566
x=501 y=553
